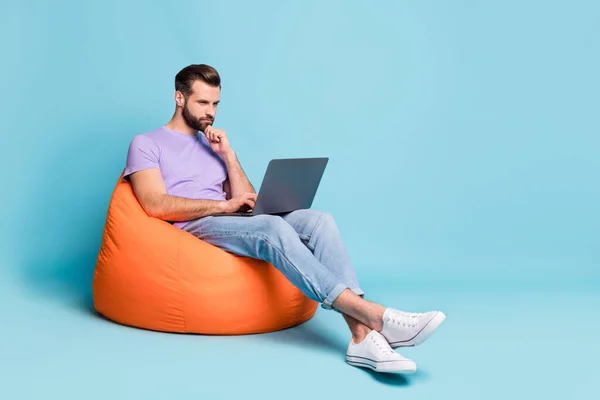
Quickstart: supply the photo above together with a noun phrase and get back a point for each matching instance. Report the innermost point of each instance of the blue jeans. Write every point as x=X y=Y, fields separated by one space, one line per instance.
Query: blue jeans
x=305 y=245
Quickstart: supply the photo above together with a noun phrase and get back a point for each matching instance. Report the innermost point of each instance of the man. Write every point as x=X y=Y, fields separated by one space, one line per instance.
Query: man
x=186 y=171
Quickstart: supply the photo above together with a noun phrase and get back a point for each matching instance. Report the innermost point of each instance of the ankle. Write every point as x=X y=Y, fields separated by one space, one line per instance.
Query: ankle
x=376 y=320
x=360 y=333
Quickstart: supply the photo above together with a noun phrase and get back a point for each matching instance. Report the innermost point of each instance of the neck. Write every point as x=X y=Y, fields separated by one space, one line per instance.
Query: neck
x=178 y=124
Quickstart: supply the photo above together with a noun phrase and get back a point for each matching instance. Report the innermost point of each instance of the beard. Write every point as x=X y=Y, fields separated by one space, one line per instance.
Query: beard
x=193 y=122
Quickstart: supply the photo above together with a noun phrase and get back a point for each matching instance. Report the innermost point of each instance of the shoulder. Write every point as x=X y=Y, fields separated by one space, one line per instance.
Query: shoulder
x=146 y=141
x=144 y=146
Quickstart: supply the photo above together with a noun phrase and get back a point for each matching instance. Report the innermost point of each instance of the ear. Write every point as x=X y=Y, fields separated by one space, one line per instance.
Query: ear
x=179 y=99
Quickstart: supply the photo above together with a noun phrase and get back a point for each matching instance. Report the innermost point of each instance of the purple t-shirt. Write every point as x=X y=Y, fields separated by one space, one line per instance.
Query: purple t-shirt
x=187 y=164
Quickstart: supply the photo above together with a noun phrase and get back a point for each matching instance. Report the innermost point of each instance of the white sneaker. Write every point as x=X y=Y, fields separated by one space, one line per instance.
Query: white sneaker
x=404 y=329
x=374 y=352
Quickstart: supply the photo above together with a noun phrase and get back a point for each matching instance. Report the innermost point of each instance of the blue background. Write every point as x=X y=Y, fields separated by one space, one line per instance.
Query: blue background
x=463 y=140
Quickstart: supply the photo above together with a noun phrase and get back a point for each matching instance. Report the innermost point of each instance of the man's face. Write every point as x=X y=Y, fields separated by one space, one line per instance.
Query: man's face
x=200 y=108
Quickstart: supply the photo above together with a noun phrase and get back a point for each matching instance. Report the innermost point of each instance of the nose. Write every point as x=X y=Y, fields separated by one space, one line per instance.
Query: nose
x=210 y=112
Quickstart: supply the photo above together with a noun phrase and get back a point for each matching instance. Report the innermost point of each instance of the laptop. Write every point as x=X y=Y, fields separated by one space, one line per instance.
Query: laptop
x=289 y=184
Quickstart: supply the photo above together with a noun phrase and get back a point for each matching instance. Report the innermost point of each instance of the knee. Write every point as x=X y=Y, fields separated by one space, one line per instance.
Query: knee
x=325 y=219
x=316 y=216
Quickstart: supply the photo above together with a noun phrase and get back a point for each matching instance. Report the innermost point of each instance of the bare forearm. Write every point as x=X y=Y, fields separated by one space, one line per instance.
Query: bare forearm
x=238 y=180
x=173 y=208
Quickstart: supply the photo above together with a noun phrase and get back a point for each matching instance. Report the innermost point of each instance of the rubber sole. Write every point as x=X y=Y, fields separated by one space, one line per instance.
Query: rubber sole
x=390 y=367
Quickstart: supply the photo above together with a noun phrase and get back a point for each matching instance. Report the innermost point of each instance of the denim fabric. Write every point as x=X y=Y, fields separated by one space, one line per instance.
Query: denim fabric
x=305 y=245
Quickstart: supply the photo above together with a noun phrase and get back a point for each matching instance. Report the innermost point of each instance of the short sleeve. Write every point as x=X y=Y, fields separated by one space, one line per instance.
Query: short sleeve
x=143 y=153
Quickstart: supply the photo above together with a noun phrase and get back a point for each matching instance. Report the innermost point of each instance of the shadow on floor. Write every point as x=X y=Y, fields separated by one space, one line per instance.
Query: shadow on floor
x=399 y=380
x=311 y=334
x=68 y=281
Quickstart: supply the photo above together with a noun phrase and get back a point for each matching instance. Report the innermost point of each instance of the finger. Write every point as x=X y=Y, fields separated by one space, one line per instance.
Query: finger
x=211 y=135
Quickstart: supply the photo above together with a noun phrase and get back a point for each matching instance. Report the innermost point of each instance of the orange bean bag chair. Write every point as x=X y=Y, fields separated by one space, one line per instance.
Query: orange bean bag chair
x=152 y=275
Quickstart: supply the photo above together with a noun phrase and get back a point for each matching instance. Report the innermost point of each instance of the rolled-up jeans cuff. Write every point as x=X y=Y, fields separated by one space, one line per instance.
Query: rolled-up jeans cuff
x=335 y=293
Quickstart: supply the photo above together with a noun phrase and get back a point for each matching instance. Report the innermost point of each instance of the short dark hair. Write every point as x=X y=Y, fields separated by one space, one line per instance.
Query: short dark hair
x=186 y=77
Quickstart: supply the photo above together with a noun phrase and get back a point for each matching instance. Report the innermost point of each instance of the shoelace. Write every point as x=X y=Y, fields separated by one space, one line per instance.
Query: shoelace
x=383 y=345
x=402 y=318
